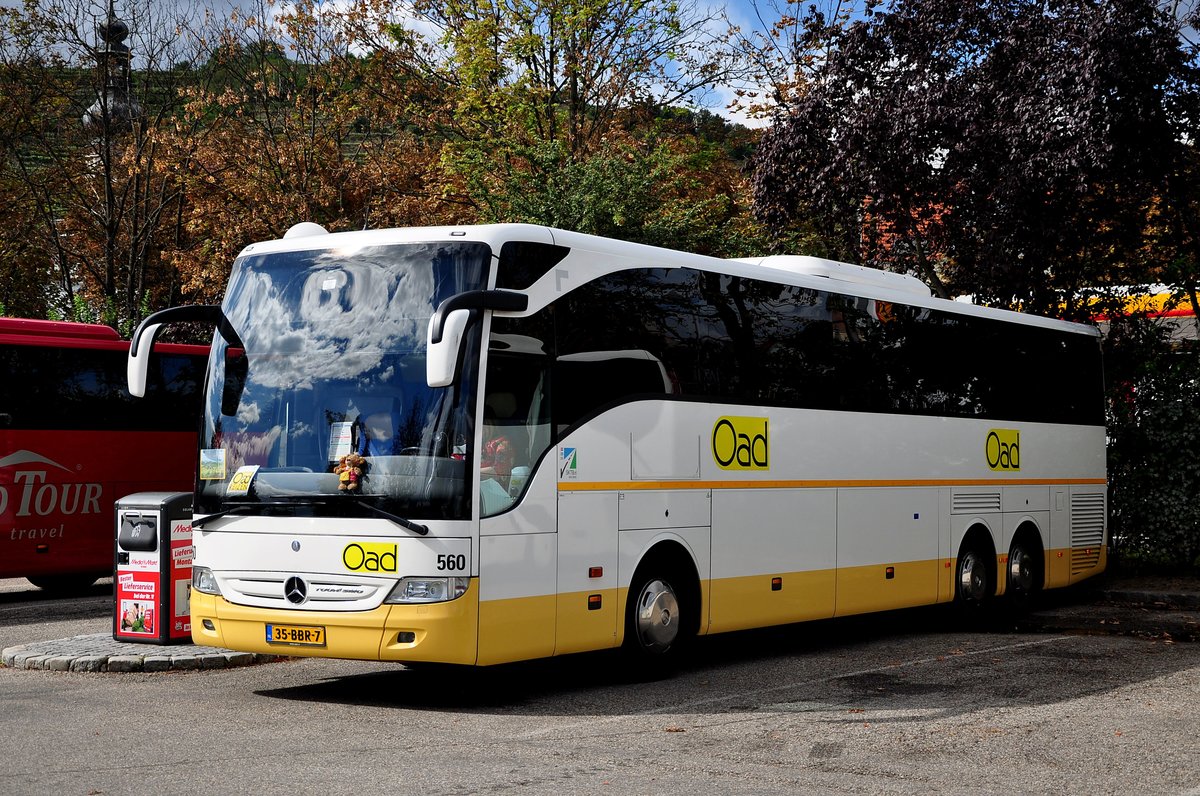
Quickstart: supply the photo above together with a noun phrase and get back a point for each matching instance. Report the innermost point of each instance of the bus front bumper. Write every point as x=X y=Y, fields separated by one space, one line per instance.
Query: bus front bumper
x=429 y=633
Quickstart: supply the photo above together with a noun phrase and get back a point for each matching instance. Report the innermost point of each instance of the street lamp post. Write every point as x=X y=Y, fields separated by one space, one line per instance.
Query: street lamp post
x=114 y=114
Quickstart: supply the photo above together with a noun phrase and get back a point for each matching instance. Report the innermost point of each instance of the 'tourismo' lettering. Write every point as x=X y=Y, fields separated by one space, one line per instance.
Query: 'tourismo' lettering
x=369 y=557
x=741 y=443
x=1003 y=449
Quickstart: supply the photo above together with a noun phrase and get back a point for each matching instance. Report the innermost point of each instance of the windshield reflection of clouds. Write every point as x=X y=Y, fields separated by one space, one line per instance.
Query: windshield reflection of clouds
x=248 y=413
x=315 y=316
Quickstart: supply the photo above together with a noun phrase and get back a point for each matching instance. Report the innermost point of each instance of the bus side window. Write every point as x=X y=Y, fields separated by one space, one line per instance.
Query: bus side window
x=516 y=407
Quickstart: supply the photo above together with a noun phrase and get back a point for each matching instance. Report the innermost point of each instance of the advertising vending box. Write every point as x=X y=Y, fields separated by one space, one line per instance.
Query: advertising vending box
x=153 y=572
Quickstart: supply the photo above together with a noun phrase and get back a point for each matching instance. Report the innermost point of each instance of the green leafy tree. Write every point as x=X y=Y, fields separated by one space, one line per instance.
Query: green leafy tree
x=664 y=188
x=568 y=70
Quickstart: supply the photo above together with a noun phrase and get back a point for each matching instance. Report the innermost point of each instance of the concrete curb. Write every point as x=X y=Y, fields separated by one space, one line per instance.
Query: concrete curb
x=100 y=653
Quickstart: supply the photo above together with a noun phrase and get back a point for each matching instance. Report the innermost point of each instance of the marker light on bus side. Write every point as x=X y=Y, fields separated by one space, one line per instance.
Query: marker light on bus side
x=427 y=590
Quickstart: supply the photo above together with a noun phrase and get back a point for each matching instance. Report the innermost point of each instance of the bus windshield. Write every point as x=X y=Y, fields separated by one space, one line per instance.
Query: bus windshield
x=334 y=366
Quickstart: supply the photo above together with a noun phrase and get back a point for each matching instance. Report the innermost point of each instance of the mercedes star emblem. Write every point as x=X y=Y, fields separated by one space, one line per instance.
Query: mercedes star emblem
x=296 y=590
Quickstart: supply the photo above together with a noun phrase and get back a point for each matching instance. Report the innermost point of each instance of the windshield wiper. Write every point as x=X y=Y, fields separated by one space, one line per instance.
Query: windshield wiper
x=240 y=507
x=401 y=521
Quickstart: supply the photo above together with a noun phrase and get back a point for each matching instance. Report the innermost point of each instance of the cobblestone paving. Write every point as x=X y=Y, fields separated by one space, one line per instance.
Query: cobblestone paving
x=102 y=653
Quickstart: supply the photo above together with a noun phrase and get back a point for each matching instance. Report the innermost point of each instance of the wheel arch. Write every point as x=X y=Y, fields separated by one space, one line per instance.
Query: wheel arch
x=1029 y=530
x=671 y=554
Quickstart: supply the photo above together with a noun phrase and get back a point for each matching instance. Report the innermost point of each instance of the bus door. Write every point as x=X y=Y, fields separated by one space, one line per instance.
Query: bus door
x=518 y=540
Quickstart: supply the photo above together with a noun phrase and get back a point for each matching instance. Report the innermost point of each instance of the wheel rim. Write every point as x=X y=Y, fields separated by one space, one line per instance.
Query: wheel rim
x=1020 y=571
x=972 y=577
x=657 y=616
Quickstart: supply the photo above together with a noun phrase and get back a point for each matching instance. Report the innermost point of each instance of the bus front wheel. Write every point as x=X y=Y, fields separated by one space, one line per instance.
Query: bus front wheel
x=657 y=619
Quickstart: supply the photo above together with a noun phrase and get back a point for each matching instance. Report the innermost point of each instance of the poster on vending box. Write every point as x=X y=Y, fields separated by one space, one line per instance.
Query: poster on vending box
x=137 y=594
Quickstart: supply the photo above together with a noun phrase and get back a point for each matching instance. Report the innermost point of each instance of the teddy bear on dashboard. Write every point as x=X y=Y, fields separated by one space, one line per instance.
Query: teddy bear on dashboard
x=350 y=472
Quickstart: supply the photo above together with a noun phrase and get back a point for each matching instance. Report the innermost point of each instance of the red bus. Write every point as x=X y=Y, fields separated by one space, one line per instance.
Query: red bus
x=73 y=441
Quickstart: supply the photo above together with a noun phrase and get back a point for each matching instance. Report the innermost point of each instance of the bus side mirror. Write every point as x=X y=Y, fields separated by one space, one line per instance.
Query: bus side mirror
x=449 y=324
x=138 y=364
x=441 y=361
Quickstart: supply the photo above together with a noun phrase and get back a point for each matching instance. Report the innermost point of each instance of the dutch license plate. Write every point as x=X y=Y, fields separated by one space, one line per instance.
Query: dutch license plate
x=296 y=635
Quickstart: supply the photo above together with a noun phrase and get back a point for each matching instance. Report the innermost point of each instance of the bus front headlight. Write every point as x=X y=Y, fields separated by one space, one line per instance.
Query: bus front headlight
x=427 y=590
x=204 y=581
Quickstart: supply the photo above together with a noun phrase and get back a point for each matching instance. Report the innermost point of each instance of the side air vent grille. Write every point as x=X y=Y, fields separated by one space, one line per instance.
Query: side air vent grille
x=1084 y=559
x=1087 y=531
x=975 y=502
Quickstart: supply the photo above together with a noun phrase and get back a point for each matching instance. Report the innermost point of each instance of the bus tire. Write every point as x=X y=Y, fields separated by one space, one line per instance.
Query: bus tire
x=64 y=584
x=659 y=619
x=974 y=582
x=1025 y=572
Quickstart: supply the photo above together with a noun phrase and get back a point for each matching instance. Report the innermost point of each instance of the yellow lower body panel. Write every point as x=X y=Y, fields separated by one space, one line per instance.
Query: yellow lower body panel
x=516 y=629
x=1058 y=568
x=435 y=632
x=586 y=621
x=1087 y=562
x=883 y=587
x=465 y=631
x=747 y=602
x=1065 y=566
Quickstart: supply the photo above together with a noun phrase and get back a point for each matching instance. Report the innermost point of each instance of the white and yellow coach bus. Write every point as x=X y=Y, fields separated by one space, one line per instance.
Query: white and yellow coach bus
x=550 y=442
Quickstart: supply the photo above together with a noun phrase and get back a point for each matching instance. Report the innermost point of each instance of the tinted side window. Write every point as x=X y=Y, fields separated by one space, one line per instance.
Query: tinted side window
x=630 y=334
x=722 y=338
x=781 y=339
x=75 y=389
x=174 y=392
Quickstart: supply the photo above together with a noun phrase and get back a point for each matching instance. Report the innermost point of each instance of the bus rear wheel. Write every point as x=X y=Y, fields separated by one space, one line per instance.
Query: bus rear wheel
x=974 y=579
x=1024 y=574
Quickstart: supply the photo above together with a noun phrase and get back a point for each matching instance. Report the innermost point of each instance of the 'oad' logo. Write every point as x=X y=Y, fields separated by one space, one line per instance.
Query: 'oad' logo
x=741 y=443
x=369 y=557
x=1003 y=449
